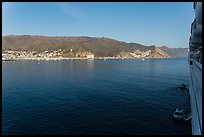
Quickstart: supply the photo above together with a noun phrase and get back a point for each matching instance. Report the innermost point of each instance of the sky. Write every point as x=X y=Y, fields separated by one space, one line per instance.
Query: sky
x=148 y=23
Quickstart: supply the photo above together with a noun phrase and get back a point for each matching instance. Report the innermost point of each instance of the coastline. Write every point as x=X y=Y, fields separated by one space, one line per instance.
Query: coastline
x=96 y=58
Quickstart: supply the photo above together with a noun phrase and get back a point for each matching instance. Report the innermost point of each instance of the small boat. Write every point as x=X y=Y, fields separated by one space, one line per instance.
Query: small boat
x=178 y=114
x=183 y=86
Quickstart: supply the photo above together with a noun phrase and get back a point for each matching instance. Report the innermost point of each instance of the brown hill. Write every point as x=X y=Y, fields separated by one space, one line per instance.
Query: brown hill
x=101 y=47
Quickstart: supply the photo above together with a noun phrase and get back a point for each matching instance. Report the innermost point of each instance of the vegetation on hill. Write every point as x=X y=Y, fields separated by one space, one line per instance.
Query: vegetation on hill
x=100 y=47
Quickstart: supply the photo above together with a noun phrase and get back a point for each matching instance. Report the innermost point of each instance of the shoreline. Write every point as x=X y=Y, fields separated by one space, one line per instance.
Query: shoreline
x=96 y=58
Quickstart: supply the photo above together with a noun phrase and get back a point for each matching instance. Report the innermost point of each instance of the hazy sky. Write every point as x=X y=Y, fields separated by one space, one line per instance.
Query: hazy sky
x=148 y=23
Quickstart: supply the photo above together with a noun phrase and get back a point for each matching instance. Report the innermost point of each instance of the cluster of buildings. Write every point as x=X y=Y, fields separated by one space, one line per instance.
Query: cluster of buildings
x=34 y=55
x=66 y=54
x=140 y=54
x=15 y=55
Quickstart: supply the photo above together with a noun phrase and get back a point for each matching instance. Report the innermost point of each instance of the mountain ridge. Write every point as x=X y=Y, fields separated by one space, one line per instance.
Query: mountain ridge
x=99 y=46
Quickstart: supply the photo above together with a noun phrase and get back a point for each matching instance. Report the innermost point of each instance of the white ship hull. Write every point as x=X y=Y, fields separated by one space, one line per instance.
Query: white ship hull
x=195 y=91
x=195 y=64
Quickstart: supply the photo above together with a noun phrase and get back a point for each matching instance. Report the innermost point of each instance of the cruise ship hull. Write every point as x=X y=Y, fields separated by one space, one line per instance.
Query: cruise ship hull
x=195 y=64
x=195 y=91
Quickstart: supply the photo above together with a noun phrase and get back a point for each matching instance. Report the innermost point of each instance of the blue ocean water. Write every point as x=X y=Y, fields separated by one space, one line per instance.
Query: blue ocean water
x=94 y=97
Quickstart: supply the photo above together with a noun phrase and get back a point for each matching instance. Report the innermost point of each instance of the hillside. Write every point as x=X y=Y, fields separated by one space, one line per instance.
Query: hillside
x=175 y=52
x=100 y=47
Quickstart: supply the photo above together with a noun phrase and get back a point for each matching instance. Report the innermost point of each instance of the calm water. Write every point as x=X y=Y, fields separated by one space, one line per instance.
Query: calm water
x=94 y=96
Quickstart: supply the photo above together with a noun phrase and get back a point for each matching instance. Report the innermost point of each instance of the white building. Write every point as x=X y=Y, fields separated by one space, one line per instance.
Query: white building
x=90 y=56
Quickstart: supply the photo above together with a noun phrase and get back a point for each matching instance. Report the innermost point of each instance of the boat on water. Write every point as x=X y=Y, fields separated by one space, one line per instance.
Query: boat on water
x=178 y=114
x=195 y=65
x=183 y=86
